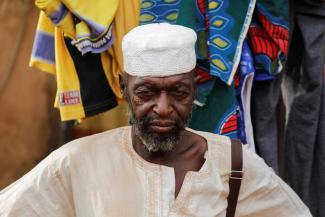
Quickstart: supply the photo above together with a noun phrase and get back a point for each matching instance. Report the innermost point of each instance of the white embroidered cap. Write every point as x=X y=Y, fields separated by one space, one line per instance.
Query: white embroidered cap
x=159 y=49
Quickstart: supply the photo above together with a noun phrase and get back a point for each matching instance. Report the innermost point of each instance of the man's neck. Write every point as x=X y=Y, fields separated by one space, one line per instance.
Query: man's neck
x=188 y=155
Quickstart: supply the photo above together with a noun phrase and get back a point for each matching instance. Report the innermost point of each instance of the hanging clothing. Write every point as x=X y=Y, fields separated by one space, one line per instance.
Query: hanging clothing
x=95 y=91
x=72 y=182
x=304 y=141
x=159 y=11
x=227 y=24
x=126 y=18
x=88 y=83
x=269 y=36
x=43 y=53
x=217 y=109
x=243 y=84
x=265 y=99
x=89 y=30
x=77 y=97
x=219 y=114
x=192 y=14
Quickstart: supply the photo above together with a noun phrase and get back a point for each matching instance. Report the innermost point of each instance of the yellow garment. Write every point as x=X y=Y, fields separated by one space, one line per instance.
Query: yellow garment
x=61 y=65
x=44 y=27
x=126 y=18
x=68 y=98
x=92 y=31
x=50 y=53
x=102 y=175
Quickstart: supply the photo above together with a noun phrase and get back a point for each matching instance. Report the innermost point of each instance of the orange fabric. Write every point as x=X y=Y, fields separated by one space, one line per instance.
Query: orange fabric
x=126 y=18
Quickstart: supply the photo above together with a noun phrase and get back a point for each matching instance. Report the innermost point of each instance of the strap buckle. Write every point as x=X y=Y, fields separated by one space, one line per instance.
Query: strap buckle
x=235 y=174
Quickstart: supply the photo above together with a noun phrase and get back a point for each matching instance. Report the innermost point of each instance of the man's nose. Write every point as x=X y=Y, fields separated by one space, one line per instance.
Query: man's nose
x=163 y=106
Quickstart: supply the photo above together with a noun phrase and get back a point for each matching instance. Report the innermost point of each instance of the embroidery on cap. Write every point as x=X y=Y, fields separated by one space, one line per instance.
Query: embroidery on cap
x=69 y=98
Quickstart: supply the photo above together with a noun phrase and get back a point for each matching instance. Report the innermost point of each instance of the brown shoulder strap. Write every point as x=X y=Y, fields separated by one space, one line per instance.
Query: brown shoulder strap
x=235 y=177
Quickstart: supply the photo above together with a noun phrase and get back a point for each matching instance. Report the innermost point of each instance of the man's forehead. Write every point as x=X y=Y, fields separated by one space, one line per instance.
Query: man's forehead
x=180 y=78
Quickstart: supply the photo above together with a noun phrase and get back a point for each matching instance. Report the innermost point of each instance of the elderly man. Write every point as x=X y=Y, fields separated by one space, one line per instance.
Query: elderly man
x=157 y=166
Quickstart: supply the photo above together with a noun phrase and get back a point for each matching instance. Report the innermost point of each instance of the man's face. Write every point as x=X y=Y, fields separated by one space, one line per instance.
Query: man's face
x=160 y=108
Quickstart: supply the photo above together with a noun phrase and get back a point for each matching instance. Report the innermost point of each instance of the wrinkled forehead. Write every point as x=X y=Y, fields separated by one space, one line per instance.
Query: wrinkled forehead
x=185 y=78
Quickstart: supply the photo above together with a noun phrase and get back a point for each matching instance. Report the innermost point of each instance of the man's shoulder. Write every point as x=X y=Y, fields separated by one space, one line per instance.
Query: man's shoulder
x=220 y=152
x=215 y=142
x=110 y=138
x=219 y=149
x=108 y=142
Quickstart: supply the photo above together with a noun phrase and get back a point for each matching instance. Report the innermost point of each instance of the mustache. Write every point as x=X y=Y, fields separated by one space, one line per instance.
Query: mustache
x=148 y=120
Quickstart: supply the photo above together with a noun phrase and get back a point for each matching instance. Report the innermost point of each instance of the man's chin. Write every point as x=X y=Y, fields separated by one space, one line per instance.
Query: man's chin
x=159 y=140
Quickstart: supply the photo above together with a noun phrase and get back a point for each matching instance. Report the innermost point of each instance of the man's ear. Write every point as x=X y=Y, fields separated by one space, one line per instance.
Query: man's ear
x=122 y=84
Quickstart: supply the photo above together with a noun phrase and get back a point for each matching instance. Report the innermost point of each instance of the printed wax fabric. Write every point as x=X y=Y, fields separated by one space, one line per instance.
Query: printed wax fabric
x=221 y=29
x=226 y=23
x=305 y=137
x=269 y=35
x=72 y=182
x=219 y=114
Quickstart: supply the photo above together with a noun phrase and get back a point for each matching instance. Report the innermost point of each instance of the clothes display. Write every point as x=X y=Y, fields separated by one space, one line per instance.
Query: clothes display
x=73 y=90
x=149 y=188
x=90 y=71
x=220 y=30
x=305 y=135
x=219 y=114
x=228 y=25
x=159 y=11
x=90 y=31
x=126 y=18
x=67 y=41
x=268 y=36
x=43 y=53
x=73 y=98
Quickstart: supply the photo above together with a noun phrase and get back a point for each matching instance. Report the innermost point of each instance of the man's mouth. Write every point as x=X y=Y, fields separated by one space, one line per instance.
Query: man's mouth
x=162 y=126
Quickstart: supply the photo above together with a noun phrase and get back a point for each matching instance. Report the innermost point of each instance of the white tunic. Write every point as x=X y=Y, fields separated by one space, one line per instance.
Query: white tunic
x=102 y=175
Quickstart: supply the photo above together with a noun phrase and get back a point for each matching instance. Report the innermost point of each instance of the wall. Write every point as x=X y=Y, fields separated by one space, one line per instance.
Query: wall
x=29 y=126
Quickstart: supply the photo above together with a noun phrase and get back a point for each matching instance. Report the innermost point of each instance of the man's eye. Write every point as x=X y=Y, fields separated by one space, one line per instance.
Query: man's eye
x=180 y=94
x=144 y=93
